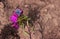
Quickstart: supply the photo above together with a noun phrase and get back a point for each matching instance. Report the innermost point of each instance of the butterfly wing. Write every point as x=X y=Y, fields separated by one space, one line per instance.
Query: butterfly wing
x=18 y=12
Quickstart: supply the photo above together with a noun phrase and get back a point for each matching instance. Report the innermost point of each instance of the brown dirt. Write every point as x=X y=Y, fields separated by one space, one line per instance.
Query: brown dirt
x=45 y=16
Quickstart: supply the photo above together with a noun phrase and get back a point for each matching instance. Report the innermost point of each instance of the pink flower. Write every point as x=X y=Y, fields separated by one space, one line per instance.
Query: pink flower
x=13 y=19
x=15 y=25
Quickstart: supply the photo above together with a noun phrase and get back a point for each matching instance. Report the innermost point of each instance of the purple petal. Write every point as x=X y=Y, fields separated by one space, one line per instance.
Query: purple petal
x=15 y=25
x=13 y=18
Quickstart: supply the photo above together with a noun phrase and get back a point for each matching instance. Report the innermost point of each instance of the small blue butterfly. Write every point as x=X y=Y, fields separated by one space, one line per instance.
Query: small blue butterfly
x=18 y=12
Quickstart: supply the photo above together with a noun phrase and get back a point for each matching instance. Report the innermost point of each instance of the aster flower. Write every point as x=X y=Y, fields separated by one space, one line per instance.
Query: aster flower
x=15 y=15
x=15 y=25
x=13 y=19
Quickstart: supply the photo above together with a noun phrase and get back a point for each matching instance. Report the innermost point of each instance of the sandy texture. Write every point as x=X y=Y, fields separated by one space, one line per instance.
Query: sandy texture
x=44 y=14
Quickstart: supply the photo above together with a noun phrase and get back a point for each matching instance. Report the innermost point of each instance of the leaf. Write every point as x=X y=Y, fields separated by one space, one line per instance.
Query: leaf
x=26 y=33
x=29 y=18
x=22 y=20
x=32 y=28
x=22 y=25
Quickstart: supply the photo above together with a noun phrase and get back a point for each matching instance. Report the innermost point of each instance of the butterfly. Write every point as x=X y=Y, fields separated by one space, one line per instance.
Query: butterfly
x=18 y=11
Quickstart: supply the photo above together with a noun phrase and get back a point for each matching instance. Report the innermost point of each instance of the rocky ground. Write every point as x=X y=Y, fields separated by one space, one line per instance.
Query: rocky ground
x=44 y=14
